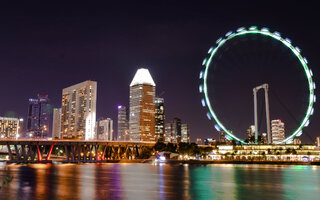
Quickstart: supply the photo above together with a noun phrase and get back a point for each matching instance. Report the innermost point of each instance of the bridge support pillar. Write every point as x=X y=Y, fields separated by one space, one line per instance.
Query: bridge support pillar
x=9 y=151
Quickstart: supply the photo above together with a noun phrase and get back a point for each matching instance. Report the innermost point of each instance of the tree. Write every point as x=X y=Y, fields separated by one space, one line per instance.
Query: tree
x=185 y=149
x=145 y=153
x=160 y=146
x=171 y=147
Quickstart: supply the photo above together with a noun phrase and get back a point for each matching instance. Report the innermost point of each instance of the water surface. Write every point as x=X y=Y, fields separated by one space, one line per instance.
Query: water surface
x=148 y=181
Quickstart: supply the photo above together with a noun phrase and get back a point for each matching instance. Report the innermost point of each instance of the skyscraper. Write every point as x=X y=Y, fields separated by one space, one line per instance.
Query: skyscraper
x=9 y=127
x=277 y=130
x=176 y=130
x=159 y=119
x=78 y=115
x=173 y=131
x=123 y=124
x=38 y=117
x=168 y=135
x=185 y=133
x=104 y=129
x=142 y=108
x=56 y=124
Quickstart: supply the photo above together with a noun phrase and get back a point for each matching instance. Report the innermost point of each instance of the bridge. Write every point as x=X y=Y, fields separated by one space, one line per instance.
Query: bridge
x=86 y=151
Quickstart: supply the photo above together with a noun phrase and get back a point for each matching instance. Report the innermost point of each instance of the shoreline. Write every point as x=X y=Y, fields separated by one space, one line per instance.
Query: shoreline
x=191 y=162
x=204 y=162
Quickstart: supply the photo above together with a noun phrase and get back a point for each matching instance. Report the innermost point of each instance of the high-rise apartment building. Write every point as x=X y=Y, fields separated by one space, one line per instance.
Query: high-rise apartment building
x=168 y=135
x=277 y=131
x=56 y=124
x=9 y=127
x=38 y=117
x=176 y=130
x=185 y=133
x=159 y=119
x=173 y=131
x=142 y=108
x=78 y=114
x=123 y=124
x=104 y=129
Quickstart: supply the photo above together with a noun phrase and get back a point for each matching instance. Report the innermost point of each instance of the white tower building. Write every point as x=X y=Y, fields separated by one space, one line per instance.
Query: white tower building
x=78 y=116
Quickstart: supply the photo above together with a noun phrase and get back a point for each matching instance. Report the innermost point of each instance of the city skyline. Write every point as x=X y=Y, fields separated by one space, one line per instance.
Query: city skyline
x=64 y=51
x=159 y=100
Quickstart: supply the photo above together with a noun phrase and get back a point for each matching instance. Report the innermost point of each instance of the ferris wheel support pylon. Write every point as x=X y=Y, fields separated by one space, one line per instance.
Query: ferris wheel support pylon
x=255 y=90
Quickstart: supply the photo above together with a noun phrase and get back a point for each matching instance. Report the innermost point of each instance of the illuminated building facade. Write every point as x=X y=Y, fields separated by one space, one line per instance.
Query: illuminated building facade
x=168 y=136
x=38 y=117
x=78 y=114
x=199 y=141
x=210 y=141
x=185 y=133
x=250 y=134
x=176 y=130
x=123 y=124
x=9 y=127
x=222 y=137
x=104 y=129
x=318 y=141
x=173 y=131
x=263 y=139
x=277 y=131
x=159 y=119
x=56 y=124
x=296 y=141
x=20 y=130
x=142 y=108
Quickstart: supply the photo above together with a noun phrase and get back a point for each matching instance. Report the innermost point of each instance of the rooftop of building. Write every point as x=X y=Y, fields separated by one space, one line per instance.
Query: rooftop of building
x=141 y=77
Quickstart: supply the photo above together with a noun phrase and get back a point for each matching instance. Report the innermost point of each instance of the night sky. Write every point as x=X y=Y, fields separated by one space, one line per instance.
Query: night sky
x=47 y=47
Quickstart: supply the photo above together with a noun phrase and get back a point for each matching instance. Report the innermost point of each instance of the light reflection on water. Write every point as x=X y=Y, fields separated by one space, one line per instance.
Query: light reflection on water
x=147 y=181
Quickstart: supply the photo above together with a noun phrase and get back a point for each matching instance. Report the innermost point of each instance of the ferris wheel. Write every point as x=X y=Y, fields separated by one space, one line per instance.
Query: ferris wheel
x=217 y=50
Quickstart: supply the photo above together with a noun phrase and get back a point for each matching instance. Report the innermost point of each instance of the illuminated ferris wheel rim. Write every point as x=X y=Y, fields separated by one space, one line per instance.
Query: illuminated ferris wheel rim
x=265 y=32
